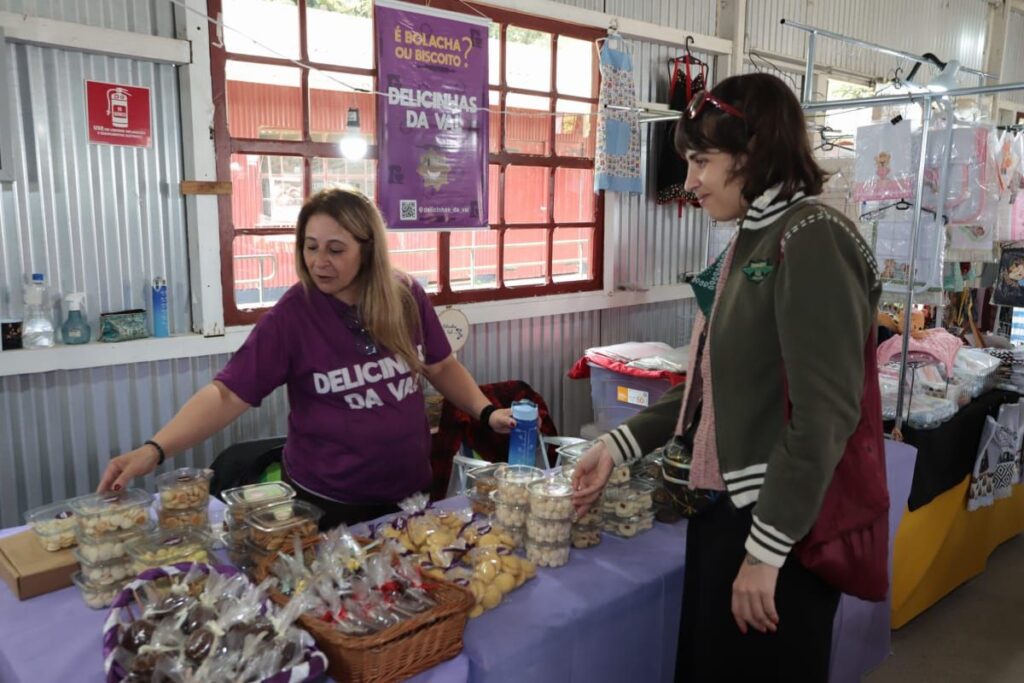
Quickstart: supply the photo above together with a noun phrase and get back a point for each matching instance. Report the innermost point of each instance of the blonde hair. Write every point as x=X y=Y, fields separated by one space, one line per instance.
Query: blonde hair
x=386 y=304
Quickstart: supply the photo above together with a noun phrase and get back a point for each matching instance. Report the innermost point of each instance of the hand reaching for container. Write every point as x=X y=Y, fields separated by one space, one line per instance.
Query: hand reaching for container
x=122 y=469
x=591 y=476
x=501 y=421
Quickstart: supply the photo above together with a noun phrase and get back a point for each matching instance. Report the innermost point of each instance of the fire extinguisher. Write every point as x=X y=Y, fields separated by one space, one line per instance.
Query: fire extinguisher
x=117 y=107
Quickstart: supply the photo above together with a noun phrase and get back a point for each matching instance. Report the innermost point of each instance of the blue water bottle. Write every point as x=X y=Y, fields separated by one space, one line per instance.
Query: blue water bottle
x=161 y=324
x=522 y=442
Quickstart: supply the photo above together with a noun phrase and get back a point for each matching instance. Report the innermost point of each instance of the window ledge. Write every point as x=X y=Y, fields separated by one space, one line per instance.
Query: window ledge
x=100 y=354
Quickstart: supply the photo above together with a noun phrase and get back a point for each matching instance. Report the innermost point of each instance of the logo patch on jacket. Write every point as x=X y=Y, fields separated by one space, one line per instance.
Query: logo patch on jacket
x=757 y=271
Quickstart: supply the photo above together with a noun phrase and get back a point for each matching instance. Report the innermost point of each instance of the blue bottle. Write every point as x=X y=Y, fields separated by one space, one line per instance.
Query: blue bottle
x=75 y=329
x=161 y=324
x=523 y=440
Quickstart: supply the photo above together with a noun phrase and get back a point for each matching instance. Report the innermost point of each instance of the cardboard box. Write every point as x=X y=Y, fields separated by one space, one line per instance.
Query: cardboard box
x=31 y=570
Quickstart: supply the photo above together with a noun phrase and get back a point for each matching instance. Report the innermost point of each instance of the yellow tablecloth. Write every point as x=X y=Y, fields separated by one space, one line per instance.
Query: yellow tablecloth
x=941 y=545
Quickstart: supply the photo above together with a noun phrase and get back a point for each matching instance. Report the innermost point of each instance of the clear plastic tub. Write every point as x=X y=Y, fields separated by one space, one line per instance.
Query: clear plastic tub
x=482 y=481
x=275 y=526
x=551 y=498
x=547 y=554
x=626 y=501
x=104 y=513
x=197 y=517
x=508 y=514
x=514 y=480
x=242 y=500
x=515 y=534
x=184 y=488
x=618 y=397
x=110 y=546
x=107 y=573
x=95 y=596
x=548 y=530
x=161 y=548
x=54 y=525
x=586 y=536
x=627 y=527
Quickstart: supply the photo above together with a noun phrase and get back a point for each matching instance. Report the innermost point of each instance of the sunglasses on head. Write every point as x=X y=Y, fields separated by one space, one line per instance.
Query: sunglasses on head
x=364 y=342
x=702 y=98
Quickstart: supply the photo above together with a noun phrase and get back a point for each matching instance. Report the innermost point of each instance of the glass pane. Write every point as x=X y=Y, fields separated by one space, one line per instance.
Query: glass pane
x=493 y=196
x=575 y=129
x=266 y=191
x=525 y=256
x=337 y=172
x=331 y=95
x=494 y=121
x=415 y=252
x=529 y=59
x=263 y=267
x=526 y=194
x=527 y=124
x=575 y=67
x=264 y=101
x=328 y=20
x=572 y=254
x=494 y=54
x=474 y=259
x=268 y=28
x=574 y=195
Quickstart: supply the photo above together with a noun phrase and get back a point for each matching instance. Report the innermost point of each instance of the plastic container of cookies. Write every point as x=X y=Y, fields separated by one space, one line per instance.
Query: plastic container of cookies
x=96 y=596
x=586 y=536
x=514 y=480
x=628 y=527
x=275 y=526
x=548 y=530
x=508 y=514
x=482 y=481
x=108 y=573
x=550 y=498
x=110 y=546
x=547 y=554
x=184 y=488
x=197 y=517
x=242 y=500
x=105 y=513
x=54 y=525
x=163 y=547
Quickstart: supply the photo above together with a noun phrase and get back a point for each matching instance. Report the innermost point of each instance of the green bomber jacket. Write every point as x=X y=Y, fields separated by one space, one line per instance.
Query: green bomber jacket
x=793 y=315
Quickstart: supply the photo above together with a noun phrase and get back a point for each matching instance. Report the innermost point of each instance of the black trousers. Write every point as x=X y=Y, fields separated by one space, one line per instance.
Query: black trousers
x=711 y=647
x=336 y=513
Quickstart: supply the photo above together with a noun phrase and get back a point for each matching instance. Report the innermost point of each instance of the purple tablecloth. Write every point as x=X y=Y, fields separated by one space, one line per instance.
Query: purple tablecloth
x=611 y=614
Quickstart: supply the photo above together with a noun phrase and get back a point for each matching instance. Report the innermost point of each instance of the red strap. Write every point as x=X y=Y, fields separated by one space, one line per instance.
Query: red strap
x=689 y=80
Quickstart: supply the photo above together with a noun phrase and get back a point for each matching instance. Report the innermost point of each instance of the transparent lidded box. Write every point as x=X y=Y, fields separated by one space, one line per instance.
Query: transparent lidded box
x=164 y=547
x=108 y=512
x=274 y=526
x=242 y=500
x=54 y=525
x=185 y=487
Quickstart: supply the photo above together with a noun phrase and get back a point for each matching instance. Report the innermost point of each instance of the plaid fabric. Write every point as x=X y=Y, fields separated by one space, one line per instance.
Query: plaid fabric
x=457 y=428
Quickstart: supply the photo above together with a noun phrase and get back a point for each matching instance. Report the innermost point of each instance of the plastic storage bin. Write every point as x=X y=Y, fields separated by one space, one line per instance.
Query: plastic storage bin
x=618 y=397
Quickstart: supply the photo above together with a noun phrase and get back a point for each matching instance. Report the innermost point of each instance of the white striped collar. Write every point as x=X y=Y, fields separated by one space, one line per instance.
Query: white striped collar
x=765 y=209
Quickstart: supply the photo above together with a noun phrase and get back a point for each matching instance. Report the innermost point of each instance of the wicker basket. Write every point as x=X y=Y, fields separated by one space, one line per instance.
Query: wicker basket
x=396 y=653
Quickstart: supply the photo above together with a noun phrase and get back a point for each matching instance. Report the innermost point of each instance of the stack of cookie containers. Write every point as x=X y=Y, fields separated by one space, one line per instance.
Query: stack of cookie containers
x=549 y=522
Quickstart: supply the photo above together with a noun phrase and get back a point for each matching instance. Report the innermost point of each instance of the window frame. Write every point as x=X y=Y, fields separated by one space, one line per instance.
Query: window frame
x=307 y=149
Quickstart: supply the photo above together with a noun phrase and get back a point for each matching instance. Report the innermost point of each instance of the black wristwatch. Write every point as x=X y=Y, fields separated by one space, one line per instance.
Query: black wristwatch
x=485 y=415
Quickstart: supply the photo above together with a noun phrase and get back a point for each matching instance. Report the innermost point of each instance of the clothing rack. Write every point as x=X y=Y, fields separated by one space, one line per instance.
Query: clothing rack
x=925 y=99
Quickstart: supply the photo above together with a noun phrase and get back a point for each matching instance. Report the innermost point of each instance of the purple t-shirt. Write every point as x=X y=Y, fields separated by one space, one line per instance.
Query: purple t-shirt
x=357 y=428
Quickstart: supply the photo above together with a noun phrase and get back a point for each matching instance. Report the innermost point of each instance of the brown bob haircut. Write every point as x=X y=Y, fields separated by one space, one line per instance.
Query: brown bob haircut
x=771 y=143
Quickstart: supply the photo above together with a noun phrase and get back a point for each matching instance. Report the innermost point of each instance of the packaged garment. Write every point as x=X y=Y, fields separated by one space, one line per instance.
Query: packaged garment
x=884 y=168
x=891 y=241
x=1009 y=156
x=1009 y=285
x=617 y=159
x=972 y=186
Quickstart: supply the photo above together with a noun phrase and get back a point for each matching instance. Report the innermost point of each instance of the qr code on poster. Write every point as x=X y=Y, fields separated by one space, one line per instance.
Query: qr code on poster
x=407 y=210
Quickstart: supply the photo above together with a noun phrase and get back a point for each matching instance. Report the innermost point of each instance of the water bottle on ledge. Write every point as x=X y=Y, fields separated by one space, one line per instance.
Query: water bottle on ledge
x=523 y=440
x=37 y=329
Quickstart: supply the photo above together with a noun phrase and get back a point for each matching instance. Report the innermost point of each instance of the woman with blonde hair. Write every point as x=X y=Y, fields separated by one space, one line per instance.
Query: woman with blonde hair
x=351 y=341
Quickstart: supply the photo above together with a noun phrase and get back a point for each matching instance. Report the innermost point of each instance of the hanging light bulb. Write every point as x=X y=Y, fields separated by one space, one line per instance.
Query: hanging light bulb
x=353 y=144
x=946 y=80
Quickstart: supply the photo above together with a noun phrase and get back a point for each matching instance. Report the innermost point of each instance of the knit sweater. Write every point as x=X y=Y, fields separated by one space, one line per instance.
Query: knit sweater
x=791 y=318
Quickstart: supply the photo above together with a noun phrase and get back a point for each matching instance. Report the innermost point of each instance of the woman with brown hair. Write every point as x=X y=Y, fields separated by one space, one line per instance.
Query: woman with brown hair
x=350 y=341
x=773 y=400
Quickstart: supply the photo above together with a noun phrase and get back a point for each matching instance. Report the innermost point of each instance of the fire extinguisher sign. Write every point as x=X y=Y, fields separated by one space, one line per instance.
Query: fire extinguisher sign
x=118 y=114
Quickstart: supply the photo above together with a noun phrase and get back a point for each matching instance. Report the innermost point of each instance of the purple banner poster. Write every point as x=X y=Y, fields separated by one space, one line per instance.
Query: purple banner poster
x=431 y=117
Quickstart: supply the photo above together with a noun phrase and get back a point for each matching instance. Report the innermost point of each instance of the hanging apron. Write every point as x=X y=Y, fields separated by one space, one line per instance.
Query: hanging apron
x=617 y=159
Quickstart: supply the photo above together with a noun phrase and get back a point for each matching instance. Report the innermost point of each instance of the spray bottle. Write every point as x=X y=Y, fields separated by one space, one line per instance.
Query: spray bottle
x=75 y=329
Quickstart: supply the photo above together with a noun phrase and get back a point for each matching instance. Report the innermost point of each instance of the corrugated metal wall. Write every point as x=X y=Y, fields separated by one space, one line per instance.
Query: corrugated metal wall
x=98 y=219
x=153 y=17
x=1013 y=58
x=951 y=29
